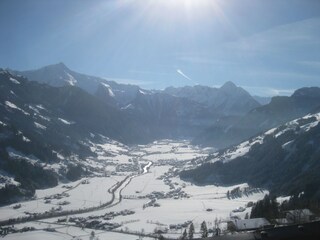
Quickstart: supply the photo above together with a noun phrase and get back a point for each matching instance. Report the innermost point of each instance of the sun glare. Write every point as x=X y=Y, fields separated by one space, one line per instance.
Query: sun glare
x=190 y=8
x=187 y=4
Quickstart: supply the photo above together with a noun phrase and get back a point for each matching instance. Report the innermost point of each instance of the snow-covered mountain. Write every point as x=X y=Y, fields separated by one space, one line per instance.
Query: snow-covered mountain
x=227 y=100
x=219 y=117
x=47 y=132
x=284 y=159
x=224 y=133
x=167 y=116
x=58 y=75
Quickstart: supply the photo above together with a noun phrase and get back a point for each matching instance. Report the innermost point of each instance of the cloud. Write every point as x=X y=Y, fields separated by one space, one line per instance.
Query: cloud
x=268 y=91
x=184 y=75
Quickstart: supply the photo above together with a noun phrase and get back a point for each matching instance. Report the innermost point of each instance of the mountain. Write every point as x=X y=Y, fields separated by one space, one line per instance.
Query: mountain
x=262 y=100
x=167 y=116
x=174 y=112
x=284 y=160
x=47 y=132
x=280 y=110
x=58 y=75
x=227 y=100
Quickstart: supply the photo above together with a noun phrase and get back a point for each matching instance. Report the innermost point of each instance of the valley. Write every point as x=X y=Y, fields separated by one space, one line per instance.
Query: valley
x=136 y=190
x=154 y=119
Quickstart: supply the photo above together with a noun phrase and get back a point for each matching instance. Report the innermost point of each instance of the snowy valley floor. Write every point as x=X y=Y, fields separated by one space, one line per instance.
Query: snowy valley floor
x=154 y=199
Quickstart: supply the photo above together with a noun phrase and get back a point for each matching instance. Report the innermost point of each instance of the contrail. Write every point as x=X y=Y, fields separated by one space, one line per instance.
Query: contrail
x=184 y=75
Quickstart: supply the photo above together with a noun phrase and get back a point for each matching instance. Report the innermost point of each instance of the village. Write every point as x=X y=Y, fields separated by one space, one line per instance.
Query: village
x=140 y=195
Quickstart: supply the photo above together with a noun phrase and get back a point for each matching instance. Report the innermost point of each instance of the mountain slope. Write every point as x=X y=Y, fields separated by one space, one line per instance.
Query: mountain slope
x=278 y=111
x=58 y=75
x=227 y=100
x=284 y=160
x=46 y=133
x=166 y=116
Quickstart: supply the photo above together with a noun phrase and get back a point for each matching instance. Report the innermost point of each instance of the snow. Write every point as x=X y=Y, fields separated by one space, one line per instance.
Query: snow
x=250 y=223
x=40 y=107
x=129 y=106
x=244 y=148
x=13 y=106
x=37 y=235
x=18 y=155
x=91 y=194
x=34 y=109
x=6 y=178
x=3 y=124
x=71 y=80
x=142 y=92
x=305 y=128
x=110 y=92
x=44 y=118
x=271 y=131
x=25 y=139
x=288 y=146
x=282 y=199
x=40 y=126
x=66 y=233
x=237 y=151
x=192 y=205
x=14 y=80
x=65 y=121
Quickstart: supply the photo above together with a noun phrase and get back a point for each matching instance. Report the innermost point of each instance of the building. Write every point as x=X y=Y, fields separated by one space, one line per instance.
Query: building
x=247 y=224
x=300 y=216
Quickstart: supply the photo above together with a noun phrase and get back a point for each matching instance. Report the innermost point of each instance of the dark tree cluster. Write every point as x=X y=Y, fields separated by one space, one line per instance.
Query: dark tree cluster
x=267 y=208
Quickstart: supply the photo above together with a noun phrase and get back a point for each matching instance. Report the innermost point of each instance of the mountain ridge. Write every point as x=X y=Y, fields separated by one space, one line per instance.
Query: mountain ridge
x=283 y=159
x=280 y=110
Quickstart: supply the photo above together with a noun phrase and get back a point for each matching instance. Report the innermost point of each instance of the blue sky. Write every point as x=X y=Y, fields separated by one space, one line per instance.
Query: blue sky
x=268 y=47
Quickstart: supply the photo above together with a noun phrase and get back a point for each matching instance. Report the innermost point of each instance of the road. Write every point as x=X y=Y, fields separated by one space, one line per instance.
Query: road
x=115 y=199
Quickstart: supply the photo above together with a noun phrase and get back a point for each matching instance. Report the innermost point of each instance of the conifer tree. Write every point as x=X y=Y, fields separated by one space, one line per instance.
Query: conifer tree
x=184 y=234
x=204 y=230
x=191 y=231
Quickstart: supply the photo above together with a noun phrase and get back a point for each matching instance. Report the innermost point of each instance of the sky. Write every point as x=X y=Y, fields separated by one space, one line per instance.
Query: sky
x=269 y=47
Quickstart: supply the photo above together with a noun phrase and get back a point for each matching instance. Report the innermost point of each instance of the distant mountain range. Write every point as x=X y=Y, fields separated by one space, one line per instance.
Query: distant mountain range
x=59 y=75
x=227 y=100
x=54 y=115
x=224 y=133
x=218 y=117
x=172 y=113
x=284 y=159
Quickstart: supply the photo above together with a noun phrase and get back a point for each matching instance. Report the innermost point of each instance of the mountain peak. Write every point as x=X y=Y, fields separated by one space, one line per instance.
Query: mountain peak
x=313 y=92
x=228 y=86
x=58 y=66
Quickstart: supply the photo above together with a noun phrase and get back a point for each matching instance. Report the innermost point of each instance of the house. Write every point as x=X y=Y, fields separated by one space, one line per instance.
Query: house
x=281 y=221
x=300 y=216
x=247 y=224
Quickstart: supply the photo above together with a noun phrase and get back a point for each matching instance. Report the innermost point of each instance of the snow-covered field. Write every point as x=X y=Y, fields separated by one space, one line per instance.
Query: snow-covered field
x=151 y=201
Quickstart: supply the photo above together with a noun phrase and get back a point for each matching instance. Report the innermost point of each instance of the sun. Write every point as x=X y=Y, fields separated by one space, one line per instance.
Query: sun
x=170 y=9
x=186 y=4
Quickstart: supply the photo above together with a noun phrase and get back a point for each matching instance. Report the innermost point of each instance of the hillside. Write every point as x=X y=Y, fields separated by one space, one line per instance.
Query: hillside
x=46 y=132
x=284 y=160
x=59 y=75
x=280 y=110
x=226 y=100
